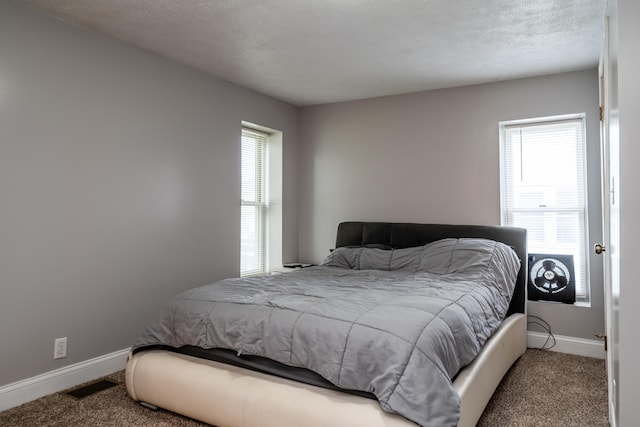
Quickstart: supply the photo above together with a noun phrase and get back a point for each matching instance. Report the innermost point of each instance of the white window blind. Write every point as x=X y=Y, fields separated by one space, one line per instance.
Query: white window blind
x=544 y=188
x=254 y=208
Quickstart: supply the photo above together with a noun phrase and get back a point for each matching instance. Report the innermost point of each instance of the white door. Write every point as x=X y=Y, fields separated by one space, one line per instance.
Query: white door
x=610 y=215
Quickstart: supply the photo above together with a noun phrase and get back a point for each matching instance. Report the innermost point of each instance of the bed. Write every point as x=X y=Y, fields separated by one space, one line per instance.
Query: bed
x=335 y=345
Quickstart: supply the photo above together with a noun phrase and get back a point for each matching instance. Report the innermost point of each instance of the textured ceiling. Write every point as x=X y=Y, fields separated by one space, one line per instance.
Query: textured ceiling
x=310 y=52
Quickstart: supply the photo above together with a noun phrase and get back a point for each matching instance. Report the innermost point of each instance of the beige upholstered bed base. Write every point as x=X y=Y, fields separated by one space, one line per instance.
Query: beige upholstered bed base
x=228 y=396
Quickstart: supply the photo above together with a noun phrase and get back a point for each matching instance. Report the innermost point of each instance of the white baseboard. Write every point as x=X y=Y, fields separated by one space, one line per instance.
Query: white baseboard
x=569 y=345
x=20 y=392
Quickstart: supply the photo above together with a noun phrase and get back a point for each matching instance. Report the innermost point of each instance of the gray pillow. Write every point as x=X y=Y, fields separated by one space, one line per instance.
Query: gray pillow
x=406 y=258
x=344 y=257
x=374 y=258
x=464 y=255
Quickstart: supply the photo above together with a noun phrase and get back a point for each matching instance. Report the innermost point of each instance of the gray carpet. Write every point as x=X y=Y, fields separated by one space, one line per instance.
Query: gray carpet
x=542 y=389
x=546 y=388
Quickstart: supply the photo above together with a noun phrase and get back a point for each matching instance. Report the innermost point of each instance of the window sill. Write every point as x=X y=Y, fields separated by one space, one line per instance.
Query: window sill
x=258 y=274
x=586 y=304
x=582 y=304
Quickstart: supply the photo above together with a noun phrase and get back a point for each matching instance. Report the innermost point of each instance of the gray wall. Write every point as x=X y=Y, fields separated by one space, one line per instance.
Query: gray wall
x=434 y=157
x=119 y=187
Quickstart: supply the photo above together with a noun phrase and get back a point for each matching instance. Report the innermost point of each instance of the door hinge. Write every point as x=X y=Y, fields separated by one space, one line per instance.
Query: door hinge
x=601 y=114
x=604 y=338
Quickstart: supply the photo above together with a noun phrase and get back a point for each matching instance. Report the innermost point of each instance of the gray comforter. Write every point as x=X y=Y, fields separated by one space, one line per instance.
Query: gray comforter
x=397 y=323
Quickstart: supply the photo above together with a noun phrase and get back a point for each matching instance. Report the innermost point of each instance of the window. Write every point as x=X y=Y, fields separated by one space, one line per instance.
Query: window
x=543 y=187
x=253 y=227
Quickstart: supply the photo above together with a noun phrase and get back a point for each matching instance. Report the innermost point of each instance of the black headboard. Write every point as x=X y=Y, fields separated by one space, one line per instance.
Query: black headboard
x=405 y=235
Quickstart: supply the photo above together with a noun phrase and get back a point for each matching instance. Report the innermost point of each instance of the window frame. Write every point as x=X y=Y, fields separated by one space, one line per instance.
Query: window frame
x=581 y=268
x=261 y=200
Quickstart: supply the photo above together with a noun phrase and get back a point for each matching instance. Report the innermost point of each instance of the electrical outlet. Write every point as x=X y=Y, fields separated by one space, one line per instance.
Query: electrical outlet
x=60 y=348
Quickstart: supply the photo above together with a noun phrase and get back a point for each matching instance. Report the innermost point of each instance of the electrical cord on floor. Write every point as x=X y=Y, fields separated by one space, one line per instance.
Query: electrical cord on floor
x=544 y=325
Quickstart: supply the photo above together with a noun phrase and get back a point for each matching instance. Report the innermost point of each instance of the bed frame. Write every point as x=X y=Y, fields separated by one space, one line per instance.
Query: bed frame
x=230 y=396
